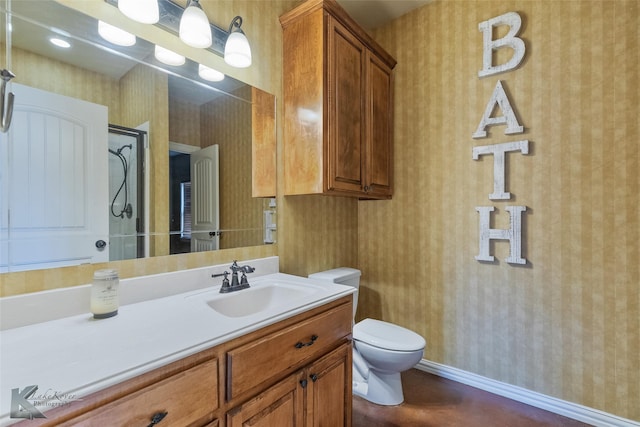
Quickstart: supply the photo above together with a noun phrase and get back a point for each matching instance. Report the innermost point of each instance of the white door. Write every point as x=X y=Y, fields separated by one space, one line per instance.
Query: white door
x=205 y=200
x=57 y=183
x=4 y=204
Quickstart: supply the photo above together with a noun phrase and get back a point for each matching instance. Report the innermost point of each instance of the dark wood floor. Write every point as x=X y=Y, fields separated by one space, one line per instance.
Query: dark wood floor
x=434 y=401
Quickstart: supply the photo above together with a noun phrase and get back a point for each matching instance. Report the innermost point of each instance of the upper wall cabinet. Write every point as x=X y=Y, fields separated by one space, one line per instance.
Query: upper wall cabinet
x=338 y=105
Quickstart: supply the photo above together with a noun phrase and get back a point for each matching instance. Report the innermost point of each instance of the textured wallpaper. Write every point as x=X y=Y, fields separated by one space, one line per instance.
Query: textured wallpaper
x=566 y=324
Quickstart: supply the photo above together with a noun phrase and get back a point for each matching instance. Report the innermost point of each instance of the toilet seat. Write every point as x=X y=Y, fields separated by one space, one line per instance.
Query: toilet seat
x=387 y=336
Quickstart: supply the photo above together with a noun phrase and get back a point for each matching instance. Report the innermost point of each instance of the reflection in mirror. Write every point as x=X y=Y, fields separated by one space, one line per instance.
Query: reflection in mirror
x=88 y=178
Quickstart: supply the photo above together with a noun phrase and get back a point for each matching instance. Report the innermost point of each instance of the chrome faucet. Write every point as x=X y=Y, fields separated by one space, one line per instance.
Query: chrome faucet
x=236 y=284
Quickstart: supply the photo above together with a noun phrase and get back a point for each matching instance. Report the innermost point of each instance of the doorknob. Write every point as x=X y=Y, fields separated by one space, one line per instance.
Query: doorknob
x=101 y=244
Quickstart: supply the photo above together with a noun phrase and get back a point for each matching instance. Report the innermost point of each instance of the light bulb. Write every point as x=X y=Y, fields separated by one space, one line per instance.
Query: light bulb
x=168 y=57
x=115 y=35
x=143 y=11
x=209 y=74
x=237 y=51
x=195 y=29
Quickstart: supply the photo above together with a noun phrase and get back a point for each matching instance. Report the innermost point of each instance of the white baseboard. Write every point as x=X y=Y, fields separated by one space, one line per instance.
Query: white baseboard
x=571 y=410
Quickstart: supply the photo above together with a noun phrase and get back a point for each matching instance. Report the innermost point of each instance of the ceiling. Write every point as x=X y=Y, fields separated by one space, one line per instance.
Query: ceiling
x=372 y=14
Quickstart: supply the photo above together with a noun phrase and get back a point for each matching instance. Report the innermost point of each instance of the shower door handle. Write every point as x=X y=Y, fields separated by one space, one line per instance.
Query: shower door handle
x=101 y=244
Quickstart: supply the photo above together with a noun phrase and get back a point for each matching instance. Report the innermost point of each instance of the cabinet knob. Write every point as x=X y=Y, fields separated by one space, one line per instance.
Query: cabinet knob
x=157 y=418
x=303 y=383
x=313 y=377
x=367 y=188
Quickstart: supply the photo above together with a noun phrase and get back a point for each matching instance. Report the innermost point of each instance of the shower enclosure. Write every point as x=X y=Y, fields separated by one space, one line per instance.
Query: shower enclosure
x=126 y=193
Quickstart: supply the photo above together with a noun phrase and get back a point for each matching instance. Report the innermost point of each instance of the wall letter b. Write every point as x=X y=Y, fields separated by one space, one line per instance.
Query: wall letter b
x=513 y=20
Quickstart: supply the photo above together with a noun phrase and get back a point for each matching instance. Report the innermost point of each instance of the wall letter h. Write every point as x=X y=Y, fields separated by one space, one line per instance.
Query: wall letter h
x=513 y=234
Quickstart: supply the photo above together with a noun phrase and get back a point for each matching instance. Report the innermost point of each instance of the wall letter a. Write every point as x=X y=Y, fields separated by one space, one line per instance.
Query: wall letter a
x=500 y=99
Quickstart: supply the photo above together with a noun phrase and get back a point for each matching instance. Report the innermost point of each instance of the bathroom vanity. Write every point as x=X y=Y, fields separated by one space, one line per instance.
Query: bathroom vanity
x=273 y=363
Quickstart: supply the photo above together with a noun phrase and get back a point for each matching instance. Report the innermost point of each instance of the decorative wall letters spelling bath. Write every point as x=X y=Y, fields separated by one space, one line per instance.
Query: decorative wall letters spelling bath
x=500 y=101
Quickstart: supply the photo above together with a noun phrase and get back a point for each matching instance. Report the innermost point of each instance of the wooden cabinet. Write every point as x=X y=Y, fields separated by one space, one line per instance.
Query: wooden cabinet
x=185 y=391
x=186 y=398
x=296 y=372
x=338 y=105
x=263 y=144
x=266 y=357
x=318 y=395
x=280 y=405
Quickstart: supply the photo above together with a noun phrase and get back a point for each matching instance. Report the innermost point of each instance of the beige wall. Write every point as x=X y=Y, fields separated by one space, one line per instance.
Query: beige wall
x=237 y=207
x=568 y=323
x=66 y=80
x=145 y=98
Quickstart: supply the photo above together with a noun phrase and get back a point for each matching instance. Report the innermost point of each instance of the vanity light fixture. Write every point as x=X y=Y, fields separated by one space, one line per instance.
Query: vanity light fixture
x=237 y=51
x=143 y=11
x=232 y=45
x=115 y=35
x=209 y=74
x=60 y=42
x=195 y=29
x=168 y=57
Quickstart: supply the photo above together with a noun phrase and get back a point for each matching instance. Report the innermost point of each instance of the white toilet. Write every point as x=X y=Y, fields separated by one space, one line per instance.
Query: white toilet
x=381 y=350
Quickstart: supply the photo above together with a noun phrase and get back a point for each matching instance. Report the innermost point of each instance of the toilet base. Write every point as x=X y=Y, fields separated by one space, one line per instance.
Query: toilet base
x=380 y=388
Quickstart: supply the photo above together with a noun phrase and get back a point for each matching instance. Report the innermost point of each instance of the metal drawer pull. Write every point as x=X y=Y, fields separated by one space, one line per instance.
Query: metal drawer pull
x=157 y=418
x=301 y=344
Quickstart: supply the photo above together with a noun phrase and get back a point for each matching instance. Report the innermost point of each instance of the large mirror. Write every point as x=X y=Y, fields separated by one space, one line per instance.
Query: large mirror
x=114 y=155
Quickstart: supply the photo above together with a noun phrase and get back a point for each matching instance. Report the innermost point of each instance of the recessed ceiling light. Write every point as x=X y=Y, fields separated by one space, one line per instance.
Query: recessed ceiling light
x=60 y=43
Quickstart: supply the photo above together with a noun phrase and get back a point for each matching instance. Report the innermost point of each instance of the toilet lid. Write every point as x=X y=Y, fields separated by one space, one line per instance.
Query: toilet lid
x=387 y=335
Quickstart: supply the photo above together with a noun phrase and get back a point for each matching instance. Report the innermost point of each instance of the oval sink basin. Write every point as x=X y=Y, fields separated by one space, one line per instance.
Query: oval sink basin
x=257 y=299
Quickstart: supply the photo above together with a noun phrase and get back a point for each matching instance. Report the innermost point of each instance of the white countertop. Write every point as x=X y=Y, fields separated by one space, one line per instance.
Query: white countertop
x=78 y=355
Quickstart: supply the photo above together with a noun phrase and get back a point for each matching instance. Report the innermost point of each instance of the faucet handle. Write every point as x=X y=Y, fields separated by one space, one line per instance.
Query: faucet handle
x=244 y=283
x=224 y=273
x=225 y=282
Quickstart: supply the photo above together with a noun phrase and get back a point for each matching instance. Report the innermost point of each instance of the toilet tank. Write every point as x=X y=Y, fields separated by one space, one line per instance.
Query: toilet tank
x=343 y=276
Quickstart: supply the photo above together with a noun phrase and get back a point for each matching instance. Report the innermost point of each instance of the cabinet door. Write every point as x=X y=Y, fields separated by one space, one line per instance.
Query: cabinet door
x=379 y=173
x=346 y=110
x=329 y=389
x=281 y=405
x=187 y=398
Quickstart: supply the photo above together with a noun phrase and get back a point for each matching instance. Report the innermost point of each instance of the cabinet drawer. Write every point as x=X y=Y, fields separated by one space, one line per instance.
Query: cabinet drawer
x=188 y=398
x=278 y=353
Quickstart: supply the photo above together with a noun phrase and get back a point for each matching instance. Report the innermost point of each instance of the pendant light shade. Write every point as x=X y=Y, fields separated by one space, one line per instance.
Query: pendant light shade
x=168 y=57
x=209 y=74
x=237 y=51
x=143 y=11
x=195 y=29
x=115 y=35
